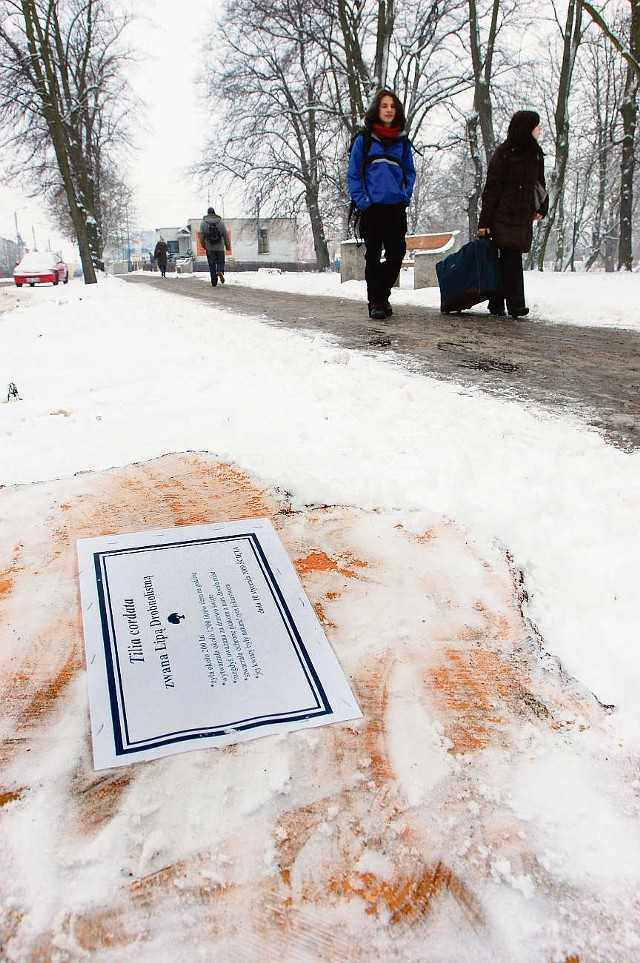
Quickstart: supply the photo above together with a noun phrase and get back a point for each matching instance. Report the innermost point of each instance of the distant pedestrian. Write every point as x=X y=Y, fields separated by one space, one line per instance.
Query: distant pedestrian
x=214 y=238
x=380 y=180
x=160 y=254
x=514 y=197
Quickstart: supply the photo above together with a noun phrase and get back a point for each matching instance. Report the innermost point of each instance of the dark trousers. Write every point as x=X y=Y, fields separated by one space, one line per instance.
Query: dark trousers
x=512 y=283
x=383 y=226
x=215 y=260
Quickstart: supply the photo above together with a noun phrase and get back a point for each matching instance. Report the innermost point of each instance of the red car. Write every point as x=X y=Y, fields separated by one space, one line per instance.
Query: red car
x=40 y=267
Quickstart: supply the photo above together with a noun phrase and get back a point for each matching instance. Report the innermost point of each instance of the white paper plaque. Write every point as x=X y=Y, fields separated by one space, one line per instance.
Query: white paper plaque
x=201 y=636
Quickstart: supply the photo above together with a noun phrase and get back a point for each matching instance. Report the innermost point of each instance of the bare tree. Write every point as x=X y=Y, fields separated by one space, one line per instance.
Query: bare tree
x=479 y=122
x=428 y=71
x=275 y=90
x=625 y=38
x=59 y=93
x=384 y=35
x=629 y=114
x=599 y=89
x=416 y=53
x=571 y=35
x=630 y=53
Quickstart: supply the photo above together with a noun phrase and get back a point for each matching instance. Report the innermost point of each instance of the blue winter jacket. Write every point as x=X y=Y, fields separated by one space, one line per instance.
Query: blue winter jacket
x=389 y=173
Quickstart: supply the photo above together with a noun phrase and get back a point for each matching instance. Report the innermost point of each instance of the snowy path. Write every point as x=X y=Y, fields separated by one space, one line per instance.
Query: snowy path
x=591 y=371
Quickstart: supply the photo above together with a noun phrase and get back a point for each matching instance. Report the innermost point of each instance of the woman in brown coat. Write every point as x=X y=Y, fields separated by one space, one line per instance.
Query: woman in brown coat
x=514 y=197
x=160 y=254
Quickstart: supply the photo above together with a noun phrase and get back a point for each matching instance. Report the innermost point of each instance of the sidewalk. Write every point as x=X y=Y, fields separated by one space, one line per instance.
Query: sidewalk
x=592 y=372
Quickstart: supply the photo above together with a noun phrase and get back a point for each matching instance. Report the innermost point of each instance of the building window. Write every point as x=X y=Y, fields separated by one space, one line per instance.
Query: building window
x=263 y=241
x=173 y=247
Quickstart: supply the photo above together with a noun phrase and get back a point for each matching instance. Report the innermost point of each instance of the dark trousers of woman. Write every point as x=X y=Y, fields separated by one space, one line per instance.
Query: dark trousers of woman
x=162 y=264
x=512 y=283
x=383 y=226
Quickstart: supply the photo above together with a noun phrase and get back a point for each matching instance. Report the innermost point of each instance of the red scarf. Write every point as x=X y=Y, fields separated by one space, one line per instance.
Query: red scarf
x=386 y=133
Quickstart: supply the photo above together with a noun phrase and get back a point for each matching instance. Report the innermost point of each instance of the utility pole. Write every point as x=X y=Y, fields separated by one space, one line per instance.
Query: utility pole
x=128 y=241
x=19 y=242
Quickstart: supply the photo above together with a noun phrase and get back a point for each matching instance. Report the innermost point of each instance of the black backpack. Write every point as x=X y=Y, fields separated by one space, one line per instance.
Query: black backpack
x=212 y=233
x=353 y=220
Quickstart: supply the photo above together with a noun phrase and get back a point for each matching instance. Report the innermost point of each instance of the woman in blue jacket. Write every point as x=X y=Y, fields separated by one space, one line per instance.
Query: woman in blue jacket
x=380 y=181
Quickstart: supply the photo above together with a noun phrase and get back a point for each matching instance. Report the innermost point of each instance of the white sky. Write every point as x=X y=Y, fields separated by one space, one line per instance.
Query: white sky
x=173 y=118
x=169 y=129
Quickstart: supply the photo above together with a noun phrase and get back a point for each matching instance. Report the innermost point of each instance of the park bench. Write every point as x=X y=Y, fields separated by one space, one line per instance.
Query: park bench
x=425 y=249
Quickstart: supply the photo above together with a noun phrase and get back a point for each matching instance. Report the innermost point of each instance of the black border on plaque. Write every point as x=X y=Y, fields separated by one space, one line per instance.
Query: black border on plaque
x=123 y=745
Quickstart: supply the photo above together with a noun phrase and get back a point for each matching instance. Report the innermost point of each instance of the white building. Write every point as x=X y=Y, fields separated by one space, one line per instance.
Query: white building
x=255 y=242
x=178 y=240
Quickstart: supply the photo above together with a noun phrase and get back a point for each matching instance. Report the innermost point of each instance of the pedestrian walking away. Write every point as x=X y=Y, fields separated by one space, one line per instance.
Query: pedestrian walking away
x=380 y=180
x=513 y=199
x=214 y=238
x=160 y=254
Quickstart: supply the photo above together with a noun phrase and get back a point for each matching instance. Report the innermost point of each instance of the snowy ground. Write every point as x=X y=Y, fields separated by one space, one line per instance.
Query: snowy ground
x=113 y=374
x=606 y=300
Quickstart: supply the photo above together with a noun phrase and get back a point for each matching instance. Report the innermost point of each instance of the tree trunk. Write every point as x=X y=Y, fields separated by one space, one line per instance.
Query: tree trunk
x=629 y=112
x=357 y=75
x=317 y=229
x=474 y=195
x=481 y=121
x=308 y=147
x=609 y=253
x=572 y=36
x=598 y=215
x=38 y=42
x=386 y=17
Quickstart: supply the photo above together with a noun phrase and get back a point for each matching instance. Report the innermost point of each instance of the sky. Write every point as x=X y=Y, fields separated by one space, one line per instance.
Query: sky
x=174 y=120
x=474 y=561
x=169 y=130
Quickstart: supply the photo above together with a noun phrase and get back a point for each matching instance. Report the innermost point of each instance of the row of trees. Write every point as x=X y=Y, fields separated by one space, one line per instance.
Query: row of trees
x=63 y=103
x=295 y=77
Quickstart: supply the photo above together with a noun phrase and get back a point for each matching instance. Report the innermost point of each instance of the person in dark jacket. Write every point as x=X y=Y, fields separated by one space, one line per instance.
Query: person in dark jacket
x=214 y=238
x=160 y=254
x=380 y=180
x=514 y=197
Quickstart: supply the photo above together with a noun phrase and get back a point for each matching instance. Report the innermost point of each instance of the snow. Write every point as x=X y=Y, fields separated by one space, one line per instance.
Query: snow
x=605 y=300
x=114 y=374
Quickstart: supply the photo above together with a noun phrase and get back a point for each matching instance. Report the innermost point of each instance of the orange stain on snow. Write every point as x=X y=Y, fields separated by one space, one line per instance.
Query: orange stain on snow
x=472 y=683
x=320 y=562
x=6 y=583
x=371 y=690
x=98 y=799
x=35 y=700
x=101 y=929
x=406 y=898
x=475 y=689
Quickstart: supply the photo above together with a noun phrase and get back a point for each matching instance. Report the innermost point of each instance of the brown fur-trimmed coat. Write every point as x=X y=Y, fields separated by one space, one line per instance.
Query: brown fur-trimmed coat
x=508 y=204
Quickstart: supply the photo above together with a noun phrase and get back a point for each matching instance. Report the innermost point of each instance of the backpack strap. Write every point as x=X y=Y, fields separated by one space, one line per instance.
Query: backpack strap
x=353 y=217
x=367 y=137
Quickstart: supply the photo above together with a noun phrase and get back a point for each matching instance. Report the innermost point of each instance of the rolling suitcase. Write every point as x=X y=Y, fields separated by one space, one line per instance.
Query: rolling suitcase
x=469 y=276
